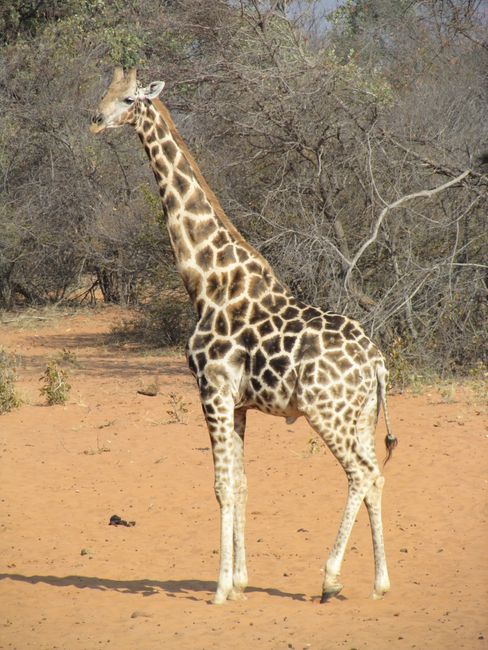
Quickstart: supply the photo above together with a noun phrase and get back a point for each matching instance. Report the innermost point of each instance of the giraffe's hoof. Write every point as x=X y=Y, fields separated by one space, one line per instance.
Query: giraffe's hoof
x=220 y=597
x=329 y=592
x=379 y=595
x=236 y=594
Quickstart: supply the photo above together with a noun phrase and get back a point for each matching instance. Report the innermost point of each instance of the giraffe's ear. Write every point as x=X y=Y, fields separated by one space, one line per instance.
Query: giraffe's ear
x=118 y=74
x=153 y=90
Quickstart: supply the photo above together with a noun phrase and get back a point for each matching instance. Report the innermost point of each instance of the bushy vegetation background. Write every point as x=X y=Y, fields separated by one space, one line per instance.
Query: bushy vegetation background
x=308 y=124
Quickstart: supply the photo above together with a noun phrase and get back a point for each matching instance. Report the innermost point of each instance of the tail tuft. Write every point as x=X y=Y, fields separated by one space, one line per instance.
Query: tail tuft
x=391 y=443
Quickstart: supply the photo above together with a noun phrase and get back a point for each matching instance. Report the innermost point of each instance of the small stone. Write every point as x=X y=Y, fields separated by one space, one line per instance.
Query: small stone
x=86 y=551
x=141 y=614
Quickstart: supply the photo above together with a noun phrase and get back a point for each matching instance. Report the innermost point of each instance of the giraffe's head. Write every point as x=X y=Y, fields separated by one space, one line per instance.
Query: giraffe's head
x=120 y=101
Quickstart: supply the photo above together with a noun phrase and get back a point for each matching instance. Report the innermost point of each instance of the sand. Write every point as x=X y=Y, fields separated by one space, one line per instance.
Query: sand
x=68 y=580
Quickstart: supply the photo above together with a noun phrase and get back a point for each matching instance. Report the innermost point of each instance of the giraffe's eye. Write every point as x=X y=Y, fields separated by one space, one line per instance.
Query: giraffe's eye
x=128 y=100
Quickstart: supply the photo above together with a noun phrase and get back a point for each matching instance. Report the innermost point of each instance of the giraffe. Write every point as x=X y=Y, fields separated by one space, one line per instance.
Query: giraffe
x=256 y=346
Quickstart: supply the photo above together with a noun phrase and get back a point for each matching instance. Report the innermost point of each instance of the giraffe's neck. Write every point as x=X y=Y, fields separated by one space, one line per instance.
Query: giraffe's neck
x=212 y=258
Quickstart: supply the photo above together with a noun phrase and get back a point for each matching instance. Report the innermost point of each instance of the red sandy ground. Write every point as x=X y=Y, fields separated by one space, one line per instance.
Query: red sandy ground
x=66 y=469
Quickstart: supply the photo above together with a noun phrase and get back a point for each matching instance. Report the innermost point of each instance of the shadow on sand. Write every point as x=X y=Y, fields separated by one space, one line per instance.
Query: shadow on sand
x=145 y=587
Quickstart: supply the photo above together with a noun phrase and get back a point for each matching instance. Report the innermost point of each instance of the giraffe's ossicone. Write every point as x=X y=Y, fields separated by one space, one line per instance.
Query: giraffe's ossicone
x=257 y=346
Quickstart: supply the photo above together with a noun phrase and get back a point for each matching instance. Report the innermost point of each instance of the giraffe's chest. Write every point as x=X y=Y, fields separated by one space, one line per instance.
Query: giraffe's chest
x=266 y=382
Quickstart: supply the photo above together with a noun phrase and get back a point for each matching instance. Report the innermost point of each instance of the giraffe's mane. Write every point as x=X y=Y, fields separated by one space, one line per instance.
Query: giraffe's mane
x=211 y=197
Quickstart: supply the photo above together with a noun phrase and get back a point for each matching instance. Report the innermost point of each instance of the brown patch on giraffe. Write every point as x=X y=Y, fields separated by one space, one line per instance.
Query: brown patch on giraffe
x=161 y=166
x=280 y=364
x=169 y=150
x=257 y=286
x=147 y=126
x=242 y=254
x=237 y=315
x=329 y=371
x=354 y=376
x=294 y=326
x=219 y=349
x=201 y=361
x=200 y=341
x=256 y=384
x=221 y=324
x=308 y=373
x=274 y=303
x=236 y=283
x=289 y=343
x=248 y=339
x=197 y=204
x=206 y=321
x=238 y=310
x=348 y=414
x=337 y=359
x=221 y=238
x=193 y=283
x=180 y=248
x=258 y=363
x=151 y=137
x=254 y=267
x=265 y=328
x=162 y=130
x=270 y=379
x=311 y=313
x=226 y=256
x=315 y=324
x=277 y=322
x=331 y=340
x=185 y=167
x=310 y=346
x=215 y=288
x=198 y=231
x=334 y=321
x=272 y=345
x=205 y=258
x=258 y=314
x=181 y=183
x=290 y=312
x=351 y=330
x=240 y=358
x=352 y=349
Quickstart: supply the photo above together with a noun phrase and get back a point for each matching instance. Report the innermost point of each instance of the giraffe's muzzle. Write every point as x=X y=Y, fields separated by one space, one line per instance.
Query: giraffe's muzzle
x=97 y=123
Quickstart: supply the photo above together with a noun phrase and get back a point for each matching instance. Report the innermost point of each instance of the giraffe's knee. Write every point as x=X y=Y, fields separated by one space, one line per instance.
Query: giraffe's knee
x=224 y=493
x=240 y=485
x=379 y=482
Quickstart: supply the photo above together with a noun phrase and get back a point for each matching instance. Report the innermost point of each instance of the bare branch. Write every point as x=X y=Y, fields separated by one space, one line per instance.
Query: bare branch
x=392 y=206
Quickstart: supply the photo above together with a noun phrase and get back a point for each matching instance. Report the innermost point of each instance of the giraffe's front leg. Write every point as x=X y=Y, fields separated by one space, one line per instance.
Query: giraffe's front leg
x=219 y=412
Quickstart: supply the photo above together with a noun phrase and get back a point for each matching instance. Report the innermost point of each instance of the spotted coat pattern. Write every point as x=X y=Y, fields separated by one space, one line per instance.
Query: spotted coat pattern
x=256 y=346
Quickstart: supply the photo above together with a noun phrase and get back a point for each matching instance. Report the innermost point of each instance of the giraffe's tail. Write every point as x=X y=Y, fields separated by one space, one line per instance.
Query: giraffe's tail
x=391 y=441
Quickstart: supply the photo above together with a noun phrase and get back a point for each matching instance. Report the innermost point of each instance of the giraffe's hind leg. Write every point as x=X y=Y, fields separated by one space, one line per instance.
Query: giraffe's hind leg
x=239 y=576
x=353 y=445
x=373 y=504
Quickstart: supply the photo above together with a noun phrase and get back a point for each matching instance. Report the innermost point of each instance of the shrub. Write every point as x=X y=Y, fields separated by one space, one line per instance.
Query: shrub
x=8 y=396
x=56 y=387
